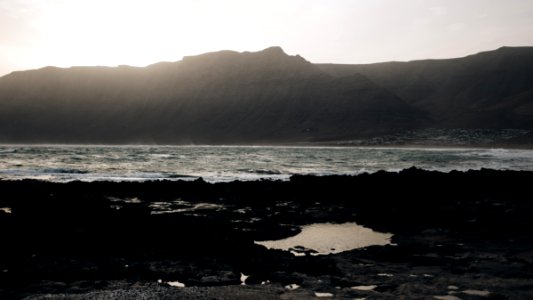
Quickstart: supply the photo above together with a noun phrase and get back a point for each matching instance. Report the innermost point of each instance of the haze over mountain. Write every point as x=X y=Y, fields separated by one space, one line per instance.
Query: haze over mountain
x=491 y=89
x=264 y=97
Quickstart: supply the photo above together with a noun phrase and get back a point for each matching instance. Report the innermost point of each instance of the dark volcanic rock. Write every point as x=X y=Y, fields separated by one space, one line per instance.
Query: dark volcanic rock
x=466 y=230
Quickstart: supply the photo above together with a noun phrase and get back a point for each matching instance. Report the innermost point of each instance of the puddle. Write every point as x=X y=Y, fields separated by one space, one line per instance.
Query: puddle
x=133 y=200
x=327 y=238
x=243 y=278
x=118 y=203
x=180 y=206
x=446 y=297
x=176 y=284
x=364 y=287
x=476 y=293
x=7 y=210
x=243 y=210
x=292 y=286
x=323 y=295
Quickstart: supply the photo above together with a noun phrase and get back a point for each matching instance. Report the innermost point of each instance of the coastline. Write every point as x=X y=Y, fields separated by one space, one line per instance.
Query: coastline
x=363 y=143
x=228 y=163
x=102 y=240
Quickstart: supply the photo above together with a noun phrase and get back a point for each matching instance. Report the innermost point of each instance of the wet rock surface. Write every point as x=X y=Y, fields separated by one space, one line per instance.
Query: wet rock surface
x=464 y=235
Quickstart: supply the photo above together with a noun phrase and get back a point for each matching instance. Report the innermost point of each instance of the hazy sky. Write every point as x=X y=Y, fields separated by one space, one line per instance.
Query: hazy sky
x=37 y=33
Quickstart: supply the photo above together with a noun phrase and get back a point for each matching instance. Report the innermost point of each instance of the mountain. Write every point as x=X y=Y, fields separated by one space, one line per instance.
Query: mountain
x=224 y=97
x=270 y=97
x=489 y=90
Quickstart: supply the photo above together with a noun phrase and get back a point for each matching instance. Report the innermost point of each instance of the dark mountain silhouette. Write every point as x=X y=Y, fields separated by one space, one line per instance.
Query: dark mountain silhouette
x=487 y=90
x=222 y=97
x=265 y=97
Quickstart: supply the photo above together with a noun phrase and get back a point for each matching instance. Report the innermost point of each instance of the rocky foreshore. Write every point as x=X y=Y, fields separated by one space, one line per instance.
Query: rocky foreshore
x=457 y=235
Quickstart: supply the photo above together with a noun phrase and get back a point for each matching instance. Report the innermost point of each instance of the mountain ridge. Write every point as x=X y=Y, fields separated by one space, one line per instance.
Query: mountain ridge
x=460 y=92
x=229 y=97
x=220 y=97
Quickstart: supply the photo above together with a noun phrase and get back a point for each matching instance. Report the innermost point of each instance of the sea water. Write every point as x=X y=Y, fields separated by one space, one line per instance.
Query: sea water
x=63 y=163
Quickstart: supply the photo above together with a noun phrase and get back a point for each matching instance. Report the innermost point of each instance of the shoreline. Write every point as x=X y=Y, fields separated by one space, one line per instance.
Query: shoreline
x=311 y=145
x=274 y=179
x=105 y=240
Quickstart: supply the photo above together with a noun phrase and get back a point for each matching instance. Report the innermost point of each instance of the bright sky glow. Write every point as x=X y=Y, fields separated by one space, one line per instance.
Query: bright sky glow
x=37 y=33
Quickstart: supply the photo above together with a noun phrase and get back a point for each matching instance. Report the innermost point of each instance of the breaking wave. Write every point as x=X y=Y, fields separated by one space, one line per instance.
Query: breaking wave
x=229 y=163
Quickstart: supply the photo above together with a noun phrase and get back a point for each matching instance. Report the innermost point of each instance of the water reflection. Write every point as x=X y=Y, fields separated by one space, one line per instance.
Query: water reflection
x=326 y=238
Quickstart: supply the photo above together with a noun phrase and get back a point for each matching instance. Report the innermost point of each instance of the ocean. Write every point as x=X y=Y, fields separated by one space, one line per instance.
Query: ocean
x=64 y=163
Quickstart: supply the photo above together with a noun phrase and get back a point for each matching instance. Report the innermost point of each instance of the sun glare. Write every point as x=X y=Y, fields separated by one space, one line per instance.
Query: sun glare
x=36 y=33
x=140 y=33
x=109 y=33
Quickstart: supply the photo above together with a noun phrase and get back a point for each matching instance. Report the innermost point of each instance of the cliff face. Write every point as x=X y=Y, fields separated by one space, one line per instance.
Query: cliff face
x=222 y=97
x=487 y=90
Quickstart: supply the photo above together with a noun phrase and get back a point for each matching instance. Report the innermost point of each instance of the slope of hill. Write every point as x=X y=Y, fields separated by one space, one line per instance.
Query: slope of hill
x=269 y=97
x=221 y=97
x=491 y=89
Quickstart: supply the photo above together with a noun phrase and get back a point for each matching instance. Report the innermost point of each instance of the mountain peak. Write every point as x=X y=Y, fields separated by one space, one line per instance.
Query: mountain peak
x=276 y=53
x=274 y=50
